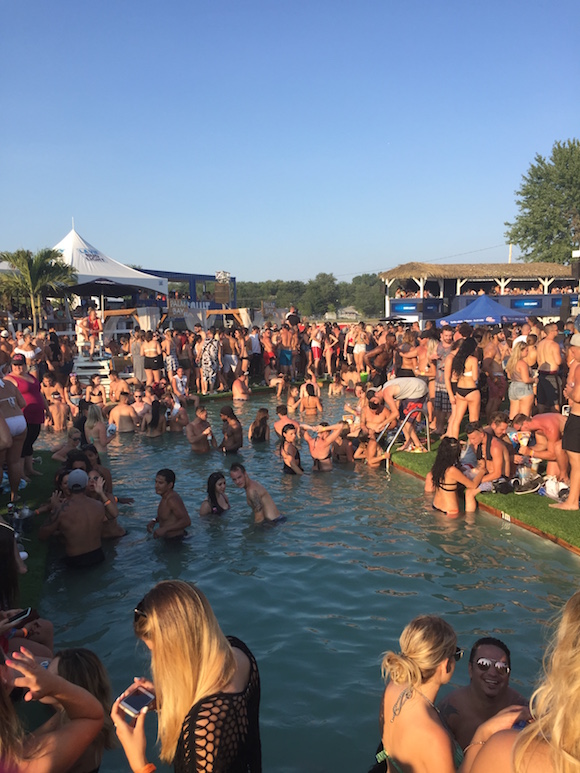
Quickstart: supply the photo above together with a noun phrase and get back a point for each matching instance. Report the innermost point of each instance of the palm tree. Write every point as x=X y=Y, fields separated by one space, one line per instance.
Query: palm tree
x=36 y=276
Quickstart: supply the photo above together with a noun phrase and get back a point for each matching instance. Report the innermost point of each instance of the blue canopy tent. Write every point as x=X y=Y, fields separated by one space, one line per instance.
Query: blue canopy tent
x=483 y=311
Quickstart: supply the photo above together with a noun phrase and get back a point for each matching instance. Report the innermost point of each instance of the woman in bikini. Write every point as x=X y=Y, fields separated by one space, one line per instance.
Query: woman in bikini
x=466 y=397
x=288 y=451
x=95 y=392
x=329 y=351
x=311 y=404
x=361 y=340
x=73 y=393
x=96 y=429
x=413 y=733
x=259 y=430
x=151 y=351
x=217 y=501
x=521 y=388
x=446 y=475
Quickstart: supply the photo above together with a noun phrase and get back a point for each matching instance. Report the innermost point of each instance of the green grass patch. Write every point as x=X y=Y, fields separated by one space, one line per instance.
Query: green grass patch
x=36 y=493
x=531 y=509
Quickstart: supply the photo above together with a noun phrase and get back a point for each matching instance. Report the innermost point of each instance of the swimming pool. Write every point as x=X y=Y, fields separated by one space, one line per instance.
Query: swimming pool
x=317 y=598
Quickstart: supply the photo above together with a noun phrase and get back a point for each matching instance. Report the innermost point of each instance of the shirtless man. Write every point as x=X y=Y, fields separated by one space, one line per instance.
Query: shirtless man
x=493 y=368
x=91 y=327
x=320 y=447
x=488 y=691
x=549 y=362
x=404 y=395
x=491 y=448
x=124 y=416
x=172 y=516
x=257 y=497
x=140 y=406
x=283 y=419
x=548 y=429
x=233 y=438
x=176 y=415
x=117 y=387
x=285 y=354
x=59 y=412
x=49 y=385
x=571 y=434
x=381 y=357
x=199 y=434
x=80 y=521
x=240 y=388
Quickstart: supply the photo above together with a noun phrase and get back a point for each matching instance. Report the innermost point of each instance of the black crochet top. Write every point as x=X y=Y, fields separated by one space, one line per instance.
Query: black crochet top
x=221 y=733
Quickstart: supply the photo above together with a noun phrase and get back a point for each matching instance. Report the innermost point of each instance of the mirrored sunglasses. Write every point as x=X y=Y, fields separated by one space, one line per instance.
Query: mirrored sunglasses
x=484 y=664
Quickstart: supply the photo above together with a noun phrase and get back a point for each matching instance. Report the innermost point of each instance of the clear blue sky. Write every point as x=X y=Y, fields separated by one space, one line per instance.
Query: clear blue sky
x=279 y=138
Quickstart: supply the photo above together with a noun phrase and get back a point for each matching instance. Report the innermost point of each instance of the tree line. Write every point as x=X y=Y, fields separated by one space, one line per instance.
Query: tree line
x=318 y=295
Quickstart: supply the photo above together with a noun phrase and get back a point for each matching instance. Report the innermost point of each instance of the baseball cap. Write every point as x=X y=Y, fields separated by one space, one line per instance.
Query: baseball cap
x=77 y=481
x=18 y=359
x=575 y=340
x=5 y=334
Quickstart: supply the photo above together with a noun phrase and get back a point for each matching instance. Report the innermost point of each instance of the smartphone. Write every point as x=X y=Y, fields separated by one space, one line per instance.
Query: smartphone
x=19 y=617
x=134 y=703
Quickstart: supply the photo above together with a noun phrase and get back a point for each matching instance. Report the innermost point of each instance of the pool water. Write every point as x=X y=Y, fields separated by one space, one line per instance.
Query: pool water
x=317 y=598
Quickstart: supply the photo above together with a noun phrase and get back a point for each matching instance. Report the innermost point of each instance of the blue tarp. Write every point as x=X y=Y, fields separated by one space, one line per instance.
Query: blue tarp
x=483 y=311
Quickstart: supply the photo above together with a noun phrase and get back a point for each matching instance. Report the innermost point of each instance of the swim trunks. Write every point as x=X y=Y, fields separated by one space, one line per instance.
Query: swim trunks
x=83 y=560
x=549 y=389
x=571 y=434
x=285 y=358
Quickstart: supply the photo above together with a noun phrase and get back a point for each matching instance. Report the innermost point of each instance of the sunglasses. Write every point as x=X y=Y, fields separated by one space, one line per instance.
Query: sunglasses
x=139 y=612
x=484 y=664
x=458 y=654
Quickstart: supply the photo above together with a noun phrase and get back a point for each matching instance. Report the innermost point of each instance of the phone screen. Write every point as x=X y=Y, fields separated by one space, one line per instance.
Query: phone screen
x=137 y=700
x=20 y=616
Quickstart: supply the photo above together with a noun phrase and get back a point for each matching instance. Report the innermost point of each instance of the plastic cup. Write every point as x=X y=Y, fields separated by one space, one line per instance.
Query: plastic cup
x=364 y=376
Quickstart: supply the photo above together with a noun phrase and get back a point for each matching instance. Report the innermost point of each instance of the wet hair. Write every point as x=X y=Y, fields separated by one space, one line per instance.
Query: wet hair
x=237 y=466
x=310 y=390
x=228 y=411
x=447 y=456
x=490 y=641
x=212 y=482
x=282 y=410
x=8 y=568
x=556 y=703
x=78 y=455
x=168 y=474
x=286 y=428
x=466 y=349
x=473 y=426
x=190 y=656
x=425 y=643
x=155 y=414
x=83 y=668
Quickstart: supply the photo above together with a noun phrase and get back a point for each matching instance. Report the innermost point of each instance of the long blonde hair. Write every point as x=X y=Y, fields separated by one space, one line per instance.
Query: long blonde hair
x=515 y=357
x=11 y=732
x=94 y=415
x=555 y=705
x=425 y=643
x=190 y=656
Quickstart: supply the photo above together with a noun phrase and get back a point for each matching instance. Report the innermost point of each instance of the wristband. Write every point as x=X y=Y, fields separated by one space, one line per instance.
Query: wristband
x=149 y=768
x=473 y=743
x=532 y=454
x=108 y=502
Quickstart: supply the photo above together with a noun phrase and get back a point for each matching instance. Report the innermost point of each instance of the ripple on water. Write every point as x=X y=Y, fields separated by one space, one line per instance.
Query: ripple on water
x=318 y=598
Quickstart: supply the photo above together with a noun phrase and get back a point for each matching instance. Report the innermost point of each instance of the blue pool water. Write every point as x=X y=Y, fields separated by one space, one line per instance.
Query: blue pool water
x=317 y=598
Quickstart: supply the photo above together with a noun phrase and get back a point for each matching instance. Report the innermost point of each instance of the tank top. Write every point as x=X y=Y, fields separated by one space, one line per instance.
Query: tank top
x=30 y=391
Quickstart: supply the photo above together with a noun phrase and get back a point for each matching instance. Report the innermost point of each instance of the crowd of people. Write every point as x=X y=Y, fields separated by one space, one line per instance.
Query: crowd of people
x=207 y=693
x=495 y=289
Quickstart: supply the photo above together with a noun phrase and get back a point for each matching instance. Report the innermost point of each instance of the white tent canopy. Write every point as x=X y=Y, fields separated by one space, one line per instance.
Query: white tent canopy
x=92 y=268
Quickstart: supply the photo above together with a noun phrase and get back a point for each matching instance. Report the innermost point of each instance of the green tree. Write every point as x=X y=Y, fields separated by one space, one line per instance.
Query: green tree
x=547 y=227
x=321 y=292
x=369 y=298
x=36 y=276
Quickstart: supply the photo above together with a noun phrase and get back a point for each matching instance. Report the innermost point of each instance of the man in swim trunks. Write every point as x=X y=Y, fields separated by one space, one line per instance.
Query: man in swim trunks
x=488 y=691
x=571 y=434
x=549 y=363
x=233 y=438
x=257 y=496
x=80 y=520
x=285 y=354
x=123 y=415
x=199 y=433
x=172 y=516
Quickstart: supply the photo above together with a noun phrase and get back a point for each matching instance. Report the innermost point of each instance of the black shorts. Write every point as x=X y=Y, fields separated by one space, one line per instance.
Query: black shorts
x=92 y=558
x=549 y=389
x=571 y=434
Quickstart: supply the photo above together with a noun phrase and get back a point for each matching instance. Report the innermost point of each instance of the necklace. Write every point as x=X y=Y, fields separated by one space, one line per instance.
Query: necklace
x=433 y=706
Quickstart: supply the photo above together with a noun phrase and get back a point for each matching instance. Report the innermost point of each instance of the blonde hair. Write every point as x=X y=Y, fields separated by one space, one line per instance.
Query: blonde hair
x=555 y=705
x=94 y=416
x=11 y=732
x=425 y=643
x=515 y=357
x=190 y=656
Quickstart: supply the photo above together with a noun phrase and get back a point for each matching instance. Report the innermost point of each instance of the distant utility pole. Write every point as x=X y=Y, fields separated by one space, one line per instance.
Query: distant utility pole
x=510 y=255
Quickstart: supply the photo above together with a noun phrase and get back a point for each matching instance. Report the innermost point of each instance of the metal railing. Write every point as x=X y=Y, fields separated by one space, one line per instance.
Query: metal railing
x=398 y=432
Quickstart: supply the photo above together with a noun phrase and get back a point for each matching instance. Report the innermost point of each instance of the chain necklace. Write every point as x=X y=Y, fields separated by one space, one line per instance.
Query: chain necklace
x=406 y=695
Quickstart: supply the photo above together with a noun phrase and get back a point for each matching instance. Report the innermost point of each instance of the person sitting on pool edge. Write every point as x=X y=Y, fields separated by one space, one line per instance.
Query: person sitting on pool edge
x=172 y=515
x=488 y=691
x=446 y=475
x=257 y=496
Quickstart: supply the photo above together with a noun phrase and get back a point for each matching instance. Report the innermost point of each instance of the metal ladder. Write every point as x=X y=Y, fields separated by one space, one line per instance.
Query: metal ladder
x=398 y=432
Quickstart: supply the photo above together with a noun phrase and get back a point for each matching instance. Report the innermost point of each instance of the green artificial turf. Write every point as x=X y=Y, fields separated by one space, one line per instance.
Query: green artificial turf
x=36 y=493
x=531 y=509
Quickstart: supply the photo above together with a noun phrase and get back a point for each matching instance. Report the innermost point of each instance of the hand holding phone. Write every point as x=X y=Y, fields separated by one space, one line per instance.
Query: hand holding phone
x=135 y=702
